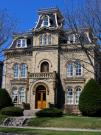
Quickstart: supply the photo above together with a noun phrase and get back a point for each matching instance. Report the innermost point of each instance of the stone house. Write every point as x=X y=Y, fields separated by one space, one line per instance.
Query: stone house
x=47 y=65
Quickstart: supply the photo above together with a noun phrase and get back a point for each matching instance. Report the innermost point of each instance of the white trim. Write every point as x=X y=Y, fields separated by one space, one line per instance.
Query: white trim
x=21 y=42
x=56 y=20
x=38 y=21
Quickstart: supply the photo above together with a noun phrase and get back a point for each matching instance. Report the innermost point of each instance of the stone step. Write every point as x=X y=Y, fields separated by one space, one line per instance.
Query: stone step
x=30 y=112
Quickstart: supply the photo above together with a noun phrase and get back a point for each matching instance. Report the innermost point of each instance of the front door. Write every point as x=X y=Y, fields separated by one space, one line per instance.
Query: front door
x=40 y=99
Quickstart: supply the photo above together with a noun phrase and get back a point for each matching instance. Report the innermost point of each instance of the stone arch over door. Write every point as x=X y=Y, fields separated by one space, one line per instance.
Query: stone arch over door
x=41 y=91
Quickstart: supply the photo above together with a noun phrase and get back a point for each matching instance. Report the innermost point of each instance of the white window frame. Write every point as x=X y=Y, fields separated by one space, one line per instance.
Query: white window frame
x=73 y=39
x=19 y=43
x=14 y=95
x=77 y=95
x=78 y=69
x=69 y=70
x=49 y=39
x=23 y=70
x=21 y=95
x=16 y=71
x=69 y=96
x=48 y=22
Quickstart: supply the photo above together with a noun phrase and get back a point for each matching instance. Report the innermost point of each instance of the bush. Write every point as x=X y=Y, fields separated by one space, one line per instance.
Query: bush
x=5 y=99
x=26 y=106
x=49 y=112
x=90 y=99
x=12 y=111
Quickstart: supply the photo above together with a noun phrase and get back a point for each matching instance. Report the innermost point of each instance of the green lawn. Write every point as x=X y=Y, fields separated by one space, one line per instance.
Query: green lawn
x=67 y=121
x=44 y=132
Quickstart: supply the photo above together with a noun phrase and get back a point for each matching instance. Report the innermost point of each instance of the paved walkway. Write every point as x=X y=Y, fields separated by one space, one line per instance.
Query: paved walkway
x=56 y=129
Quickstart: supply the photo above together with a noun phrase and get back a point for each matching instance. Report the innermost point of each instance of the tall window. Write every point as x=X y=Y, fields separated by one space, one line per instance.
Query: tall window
x=21 y=43
x=44 y=39
x=78 y=69
x=16 y=70
x=73 y=97
x=77 y=95
x=41 y=39
x=49 y=39
x=70 y=69
x=44 y=67
x=23 y=70
x=21 y=95
x=69 y=95
x=74 y=69
x=14 y=95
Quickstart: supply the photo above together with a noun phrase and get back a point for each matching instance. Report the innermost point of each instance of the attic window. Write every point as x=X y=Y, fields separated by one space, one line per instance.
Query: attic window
x=21 y=43
x=71 y=39
x=45 y=21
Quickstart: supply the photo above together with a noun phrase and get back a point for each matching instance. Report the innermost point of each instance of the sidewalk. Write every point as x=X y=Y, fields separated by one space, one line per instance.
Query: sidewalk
x=56 y=129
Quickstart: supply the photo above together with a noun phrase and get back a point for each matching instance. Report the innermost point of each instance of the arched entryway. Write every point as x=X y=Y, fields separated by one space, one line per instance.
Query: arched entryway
x=40 y=99
x=44 y=67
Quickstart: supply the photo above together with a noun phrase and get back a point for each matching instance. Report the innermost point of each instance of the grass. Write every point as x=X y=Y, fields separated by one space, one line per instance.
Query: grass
x=67 y=121
x=45 y=132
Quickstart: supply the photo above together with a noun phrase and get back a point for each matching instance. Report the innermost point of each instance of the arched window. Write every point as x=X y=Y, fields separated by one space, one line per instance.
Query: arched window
x=49 y=39
x=44 y=67
x=45 y=21
x=69 y=95
x=14 y=95
x=16 y=70
x=21 y=95
x=70 y=69
x=77 y=95
x=23 y=70
x=78 y=69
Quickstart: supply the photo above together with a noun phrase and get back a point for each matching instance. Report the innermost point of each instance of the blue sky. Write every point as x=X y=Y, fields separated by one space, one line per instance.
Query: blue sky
x=25 y=11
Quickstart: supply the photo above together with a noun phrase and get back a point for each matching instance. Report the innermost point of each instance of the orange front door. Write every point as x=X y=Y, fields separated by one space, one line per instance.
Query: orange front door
x=41 y=99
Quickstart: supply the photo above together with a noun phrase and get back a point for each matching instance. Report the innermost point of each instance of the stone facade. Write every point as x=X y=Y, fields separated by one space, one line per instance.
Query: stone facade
x=38 y=67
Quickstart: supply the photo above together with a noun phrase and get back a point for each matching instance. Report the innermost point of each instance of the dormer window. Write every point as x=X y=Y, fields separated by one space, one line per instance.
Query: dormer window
x=45 y=22
x=71 y=39
x=21 y=43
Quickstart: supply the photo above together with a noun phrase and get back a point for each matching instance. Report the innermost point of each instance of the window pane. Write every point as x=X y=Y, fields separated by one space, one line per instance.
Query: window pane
x=77 y=95
x=40 y=39
x=44 y=39
x=78 y=69
x=69 y=96
x=45 y=21
x=21 y=95
x=15 y=71
x=70 y=69
x=49 y=39
x=23 y=70
x=14 y=95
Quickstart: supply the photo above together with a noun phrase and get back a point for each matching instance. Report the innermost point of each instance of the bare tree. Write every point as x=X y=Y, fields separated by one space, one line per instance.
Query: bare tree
x=7 y=25
x=87 y=16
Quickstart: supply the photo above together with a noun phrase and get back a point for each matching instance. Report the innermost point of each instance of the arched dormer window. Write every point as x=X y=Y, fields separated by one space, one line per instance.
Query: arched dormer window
x=44 y=67
x=45 y=21
x=16 y=70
